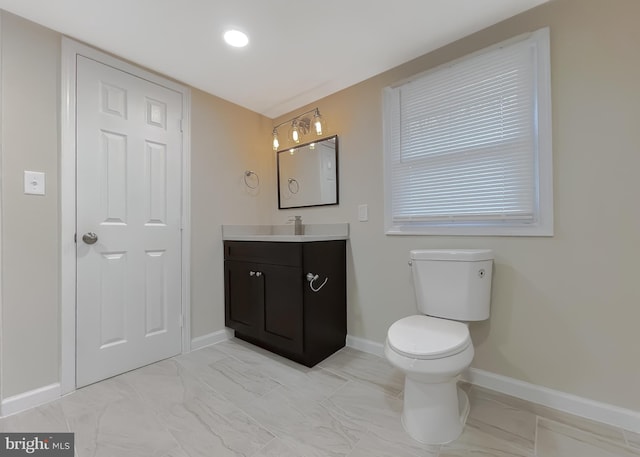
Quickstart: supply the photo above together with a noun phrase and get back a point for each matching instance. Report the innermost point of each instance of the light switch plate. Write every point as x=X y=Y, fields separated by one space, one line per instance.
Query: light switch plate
x=363 y=213
x=34 y=183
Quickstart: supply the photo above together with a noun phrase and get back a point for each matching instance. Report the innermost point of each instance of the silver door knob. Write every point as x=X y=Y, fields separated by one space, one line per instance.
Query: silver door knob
x=90 y=238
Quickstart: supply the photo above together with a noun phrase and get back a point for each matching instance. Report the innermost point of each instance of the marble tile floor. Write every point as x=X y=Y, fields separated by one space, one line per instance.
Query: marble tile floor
x=234 y=399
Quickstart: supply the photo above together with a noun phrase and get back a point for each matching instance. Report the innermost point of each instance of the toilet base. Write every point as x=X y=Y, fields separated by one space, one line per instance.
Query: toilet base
x=434 y=413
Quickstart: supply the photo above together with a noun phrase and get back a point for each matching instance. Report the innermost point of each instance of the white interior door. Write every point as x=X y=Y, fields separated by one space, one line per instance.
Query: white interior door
x=129 y=145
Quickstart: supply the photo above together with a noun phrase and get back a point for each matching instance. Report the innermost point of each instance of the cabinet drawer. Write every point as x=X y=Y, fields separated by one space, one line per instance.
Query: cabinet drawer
x=274 y=253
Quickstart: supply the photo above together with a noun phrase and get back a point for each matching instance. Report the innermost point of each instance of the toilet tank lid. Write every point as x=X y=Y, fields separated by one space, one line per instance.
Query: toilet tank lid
x=452 y=254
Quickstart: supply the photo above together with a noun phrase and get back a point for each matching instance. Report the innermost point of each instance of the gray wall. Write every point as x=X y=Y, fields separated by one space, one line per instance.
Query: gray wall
x=226 y=140
x=564 y=309
x=30 y=224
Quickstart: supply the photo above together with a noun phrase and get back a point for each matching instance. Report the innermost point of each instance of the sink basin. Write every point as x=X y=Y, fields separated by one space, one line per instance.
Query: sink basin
x=284 y=233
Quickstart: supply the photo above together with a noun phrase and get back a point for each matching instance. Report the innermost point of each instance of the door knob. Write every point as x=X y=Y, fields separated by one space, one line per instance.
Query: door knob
x=90 y=238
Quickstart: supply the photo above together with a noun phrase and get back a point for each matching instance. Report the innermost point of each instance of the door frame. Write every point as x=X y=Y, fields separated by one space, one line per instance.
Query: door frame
x=70 y=49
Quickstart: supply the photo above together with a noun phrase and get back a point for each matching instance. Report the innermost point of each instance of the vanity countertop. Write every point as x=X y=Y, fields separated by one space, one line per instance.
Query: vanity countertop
x=284 y=233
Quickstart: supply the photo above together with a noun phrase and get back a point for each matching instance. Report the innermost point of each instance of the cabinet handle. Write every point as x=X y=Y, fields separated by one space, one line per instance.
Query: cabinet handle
x=258 y=273
x=255 y=273
x=252 y=273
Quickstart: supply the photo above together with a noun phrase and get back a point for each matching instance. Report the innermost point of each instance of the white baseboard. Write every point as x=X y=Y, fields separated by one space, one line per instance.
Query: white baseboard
x=579 y=406
x=211 y=338
x=370 y=347
x=30 y=399
x=46 y=394
x=573 y=404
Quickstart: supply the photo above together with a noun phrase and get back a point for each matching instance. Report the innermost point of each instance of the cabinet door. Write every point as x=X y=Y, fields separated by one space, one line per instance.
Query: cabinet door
x=325 y=319
x=242 y=297
x=283 y=307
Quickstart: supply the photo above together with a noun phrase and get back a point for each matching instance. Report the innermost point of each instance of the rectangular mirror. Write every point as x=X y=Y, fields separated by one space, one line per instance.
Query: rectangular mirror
x=308 y=174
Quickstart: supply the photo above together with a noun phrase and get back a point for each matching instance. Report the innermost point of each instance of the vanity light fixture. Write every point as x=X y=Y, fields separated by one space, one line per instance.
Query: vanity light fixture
x=300 y=125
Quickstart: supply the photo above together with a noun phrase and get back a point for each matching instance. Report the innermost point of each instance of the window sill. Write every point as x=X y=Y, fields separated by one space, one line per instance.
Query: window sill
x=529 y=230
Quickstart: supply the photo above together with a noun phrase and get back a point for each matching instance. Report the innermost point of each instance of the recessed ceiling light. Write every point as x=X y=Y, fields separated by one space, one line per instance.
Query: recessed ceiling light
x=236 y=38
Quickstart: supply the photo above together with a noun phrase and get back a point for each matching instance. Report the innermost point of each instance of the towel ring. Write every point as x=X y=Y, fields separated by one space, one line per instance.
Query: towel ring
x=293 y=184
x=249 y=173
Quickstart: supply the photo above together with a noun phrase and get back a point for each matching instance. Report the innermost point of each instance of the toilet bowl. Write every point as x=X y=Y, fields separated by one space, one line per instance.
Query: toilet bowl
x=435 y=409
x=433 y=348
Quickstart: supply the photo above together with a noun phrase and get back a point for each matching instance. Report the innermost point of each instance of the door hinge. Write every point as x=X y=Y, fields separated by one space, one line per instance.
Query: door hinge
x=181 y=129
x=75 y=237
x=180 y=322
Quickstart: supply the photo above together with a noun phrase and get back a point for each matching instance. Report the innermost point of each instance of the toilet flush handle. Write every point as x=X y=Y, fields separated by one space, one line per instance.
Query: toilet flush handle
x=410 y=263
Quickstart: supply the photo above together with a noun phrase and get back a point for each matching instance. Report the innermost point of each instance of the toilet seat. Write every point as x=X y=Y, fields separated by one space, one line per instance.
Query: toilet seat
x=423 y=337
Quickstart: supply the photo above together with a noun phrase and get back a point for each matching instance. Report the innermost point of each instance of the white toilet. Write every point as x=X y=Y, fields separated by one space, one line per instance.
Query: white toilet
x=433 y=348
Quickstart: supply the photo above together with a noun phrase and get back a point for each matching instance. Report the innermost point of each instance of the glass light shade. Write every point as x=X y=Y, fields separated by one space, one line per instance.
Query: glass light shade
x=318 y=123
x=276 y=143
x=295 y=132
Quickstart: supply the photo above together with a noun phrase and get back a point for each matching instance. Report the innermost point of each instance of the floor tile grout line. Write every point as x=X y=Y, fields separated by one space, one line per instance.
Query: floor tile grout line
x=633 y=447
x=131 y=388
x=367 y=428
x=529 y=406
x=339 y=373
x=268 y=361
x=249 y=415
x=337 y=388
x=281 y=386
x=282 y=383
x=535 y=437
x=209 y=386
x=533 y=408
x=259 y=451
x=156 y=412
x=364 y=382
x=597 y=436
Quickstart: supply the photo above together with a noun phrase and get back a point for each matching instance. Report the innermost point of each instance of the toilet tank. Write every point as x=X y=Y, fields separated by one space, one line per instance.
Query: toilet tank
x=453 y=283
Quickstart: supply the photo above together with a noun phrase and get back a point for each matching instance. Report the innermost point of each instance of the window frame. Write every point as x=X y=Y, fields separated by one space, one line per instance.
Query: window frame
x=543 y=166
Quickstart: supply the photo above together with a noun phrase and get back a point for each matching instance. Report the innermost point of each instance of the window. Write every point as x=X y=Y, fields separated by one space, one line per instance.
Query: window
x=468 y=145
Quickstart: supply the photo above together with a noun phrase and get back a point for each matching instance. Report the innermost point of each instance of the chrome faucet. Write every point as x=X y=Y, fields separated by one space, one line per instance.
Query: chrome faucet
x=298 y=228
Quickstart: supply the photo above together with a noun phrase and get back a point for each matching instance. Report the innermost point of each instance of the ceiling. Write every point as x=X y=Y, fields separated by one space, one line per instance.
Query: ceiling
x=299 y=50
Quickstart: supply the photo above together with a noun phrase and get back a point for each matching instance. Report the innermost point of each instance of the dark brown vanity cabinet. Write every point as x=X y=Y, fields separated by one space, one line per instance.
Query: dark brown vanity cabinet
x=270 y=302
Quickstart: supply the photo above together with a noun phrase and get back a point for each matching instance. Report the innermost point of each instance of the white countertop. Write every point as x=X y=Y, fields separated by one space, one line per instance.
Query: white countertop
x=284 y=233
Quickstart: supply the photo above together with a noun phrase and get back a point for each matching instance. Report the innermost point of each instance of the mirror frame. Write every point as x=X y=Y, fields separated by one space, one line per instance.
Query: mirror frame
x=337 y=168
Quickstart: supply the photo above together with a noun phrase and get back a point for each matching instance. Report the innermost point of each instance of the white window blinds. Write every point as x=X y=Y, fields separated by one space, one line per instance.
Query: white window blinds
x=462 y=142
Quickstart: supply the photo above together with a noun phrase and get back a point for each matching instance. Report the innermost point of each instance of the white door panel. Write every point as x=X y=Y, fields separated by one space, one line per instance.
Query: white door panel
x=129 y=195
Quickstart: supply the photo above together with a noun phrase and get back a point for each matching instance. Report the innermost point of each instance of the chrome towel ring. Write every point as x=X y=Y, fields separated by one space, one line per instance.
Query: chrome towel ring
x=293 y=185
x=248 y=180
